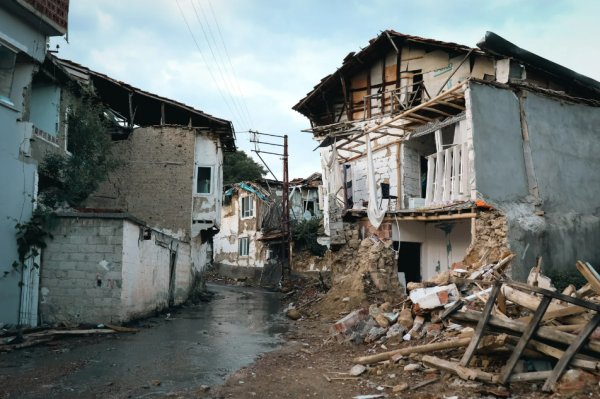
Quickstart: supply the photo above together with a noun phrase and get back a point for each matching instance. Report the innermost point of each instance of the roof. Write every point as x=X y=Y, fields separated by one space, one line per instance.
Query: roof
x=353 y=62
x=490 y=45
x=315 y=177
x=146 y=106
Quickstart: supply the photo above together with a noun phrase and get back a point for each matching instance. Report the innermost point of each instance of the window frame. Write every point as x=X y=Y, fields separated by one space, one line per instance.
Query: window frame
x=15 y=51
x=196 y=193
x=250 y=199
x=244 y=244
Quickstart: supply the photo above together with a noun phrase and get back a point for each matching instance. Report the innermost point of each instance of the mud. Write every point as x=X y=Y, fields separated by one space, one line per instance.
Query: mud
x=200 y=346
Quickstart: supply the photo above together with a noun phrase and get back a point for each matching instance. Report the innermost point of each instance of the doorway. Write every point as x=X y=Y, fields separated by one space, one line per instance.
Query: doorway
x=409 y=261
x=172 y=261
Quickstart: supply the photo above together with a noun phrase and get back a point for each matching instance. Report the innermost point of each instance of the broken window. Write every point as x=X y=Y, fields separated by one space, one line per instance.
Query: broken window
x=247 y=207
x=309 y=206
x=204 y=180
x=244 y=246
x=7 y=70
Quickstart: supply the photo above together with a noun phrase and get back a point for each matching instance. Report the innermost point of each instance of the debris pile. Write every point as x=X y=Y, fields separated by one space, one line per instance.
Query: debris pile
x=12 y=339
x=481 y=329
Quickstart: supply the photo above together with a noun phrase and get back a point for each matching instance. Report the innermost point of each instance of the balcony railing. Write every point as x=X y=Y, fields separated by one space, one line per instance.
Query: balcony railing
x=447 y=175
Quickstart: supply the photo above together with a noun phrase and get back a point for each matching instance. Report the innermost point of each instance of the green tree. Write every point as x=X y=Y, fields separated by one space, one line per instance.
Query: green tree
x=73 y=178
x=238 y=167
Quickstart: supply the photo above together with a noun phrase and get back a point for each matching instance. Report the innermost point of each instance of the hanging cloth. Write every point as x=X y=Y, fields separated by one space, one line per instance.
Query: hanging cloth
x=373 y=212
x=334 y=173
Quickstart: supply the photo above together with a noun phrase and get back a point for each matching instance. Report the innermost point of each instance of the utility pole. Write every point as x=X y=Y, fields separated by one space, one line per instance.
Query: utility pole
x=285 y=217
x=285 y=200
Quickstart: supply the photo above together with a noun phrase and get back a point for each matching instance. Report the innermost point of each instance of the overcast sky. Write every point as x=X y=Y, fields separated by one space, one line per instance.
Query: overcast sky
x=280 y=49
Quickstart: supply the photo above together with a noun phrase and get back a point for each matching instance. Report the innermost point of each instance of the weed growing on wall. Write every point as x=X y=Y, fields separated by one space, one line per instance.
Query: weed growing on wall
x=305 y=234
x=31 y=237
x=76 y=176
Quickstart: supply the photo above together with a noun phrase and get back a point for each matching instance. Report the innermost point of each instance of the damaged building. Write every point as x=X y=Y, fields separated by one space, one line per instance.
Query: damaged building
x=447 y=153
x=143 y=240
x=249 y=241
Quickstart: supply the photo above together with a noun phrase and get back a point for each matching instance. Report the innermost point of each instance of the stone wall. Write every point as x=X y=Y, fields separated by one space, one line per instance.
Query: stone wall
x=156 y=180
x=81 y=272
x=111 y=270
x=491 y=235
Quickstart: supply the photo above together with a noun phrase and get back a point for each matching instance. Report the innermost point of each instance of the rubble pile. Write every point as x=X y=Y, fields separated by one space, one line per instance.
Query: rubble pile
x=479 y=328
x=362 y=273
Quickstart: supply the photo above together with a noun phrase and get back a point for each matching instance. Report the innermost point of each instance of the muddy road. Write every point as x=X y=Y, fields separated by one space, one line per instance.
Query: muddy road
x=198 y=346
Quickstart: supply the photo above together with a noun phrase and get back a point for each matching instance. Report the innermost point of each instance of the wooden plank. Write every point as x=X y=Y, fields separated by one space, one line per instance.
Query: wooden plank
x=452 y=367
x=414 y=349
x=558 y=354
x=483 y=321
x=439 y=176
x=556 y=295
x=430 y=174
x=544 y=333
x=437 y=111
x=447 y=173
x=570 y=352
x=501 y=302
x=534 y=376
x=453 y=308
x=590 y=275
x=527 y=334
x=569 y=311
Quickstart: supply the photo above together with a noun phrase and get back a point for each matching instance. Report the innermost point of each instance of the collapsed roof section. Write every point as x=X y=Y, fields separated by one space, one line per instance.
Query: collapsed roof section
x=339 y=98
x=134 y=107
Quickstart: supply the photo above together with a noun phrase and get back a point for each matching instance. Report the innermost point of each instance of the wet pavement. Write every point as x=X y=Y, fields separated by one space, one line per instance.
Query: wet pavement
x=201 y=346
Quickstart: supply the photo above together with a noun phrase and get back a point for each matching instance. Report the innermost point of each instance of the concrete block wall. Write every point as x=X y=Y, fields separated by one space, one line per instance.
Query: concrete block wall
x=81 y=271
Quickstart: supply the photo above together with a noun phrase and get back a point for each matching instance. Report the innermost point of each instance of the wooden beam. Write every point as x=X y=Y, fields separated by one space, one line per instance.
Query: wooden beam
x=348 y=114
x=362 y=154
x=437 y=110
x=162 y=114
x=556 y=295
x=485 y=316
x=414 y=349
x=407 y=113
x=449 y=104
x=527 y=334
x=575 y=346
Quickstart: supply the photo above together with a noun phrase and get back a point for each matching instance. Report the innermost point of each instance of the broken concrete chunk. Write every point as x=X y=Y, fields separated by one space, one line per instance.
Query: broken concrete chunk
x=406 y=318
x=440 y=279
x=400 y=387
x=430 y=298
x=391 y=317
x=395 y=330
x=376 y=333
x=344 y=326
x=382 y=321
x=357 y=370
x=412 y=367
x=385 y=307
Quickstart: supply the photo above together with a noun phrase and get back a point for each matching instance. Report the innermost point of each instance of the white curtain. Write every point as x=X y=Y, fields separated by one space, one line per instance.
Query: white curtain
x=333 y=174
x=373 y=212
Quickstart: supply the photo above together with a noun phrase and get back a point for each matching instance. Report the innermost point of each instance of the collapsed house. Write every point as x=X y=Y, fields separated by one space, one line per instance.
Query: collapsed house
x=144 y=238
x=250 y=239
x=448 y=153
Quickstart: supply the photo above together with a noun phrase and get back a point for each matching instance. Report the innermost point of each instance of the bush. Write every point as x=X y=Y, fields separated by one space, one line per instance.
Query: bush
x=561 y=279
x=305 y=234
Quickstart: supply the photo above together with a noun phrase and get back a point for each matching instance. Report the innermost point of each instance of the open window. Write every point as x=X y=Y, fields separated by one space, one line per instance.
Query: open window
x=309 y=206
x=244 y=249
x=8 y=58
x=204 y=180
x=247 y=207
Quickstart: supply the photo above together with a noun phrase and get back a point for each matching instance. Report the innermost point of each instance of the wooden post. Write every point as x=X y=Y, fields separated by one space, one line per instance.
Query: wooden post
x=527 y=334
x=162 y=114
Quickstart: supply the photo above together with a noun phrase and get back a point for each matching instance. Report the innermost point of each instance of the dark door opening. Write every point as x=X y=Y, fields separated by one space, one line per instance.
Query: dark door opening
x=172 y=278
x=423 y=177
x=409 y=261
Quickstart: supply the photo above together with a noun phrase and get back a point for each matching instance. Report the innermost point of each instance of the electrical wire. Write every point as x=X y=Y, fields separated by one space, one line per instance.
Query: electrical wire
x=207 y=67
x=231 y=64
x=217 y=63
x=224 y=65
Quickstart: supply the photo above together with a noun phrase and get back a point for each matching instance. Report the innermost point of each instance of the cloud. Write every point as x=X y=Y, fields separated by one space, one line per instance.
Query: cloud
x=280 y=50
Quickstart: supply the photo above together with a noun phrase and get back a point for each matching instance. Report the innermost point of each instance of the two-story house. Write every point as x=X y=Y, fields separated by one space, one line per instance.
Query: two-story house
x=420 y=138
x=29 y=109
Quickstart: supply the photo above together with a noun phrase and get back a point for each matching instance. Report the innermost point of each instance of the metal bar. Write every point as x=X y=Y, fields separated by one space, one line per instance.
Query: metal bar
x=527 y=334
x=266 y=134
x=265 y=152
x=262 y=142
x=457 y=68
x=485 y=316
x=263 y=161
x=571 y=351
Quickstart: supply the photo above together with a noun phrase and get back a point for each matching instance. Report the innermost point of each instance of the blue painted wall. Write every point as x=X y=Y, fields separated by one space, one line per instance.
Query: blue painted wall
x=45 y=107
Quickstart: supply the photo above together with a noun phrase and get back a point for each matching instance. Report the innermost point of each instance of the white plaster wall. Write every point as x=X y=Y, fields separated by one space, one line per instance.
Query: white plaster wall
x=226 y=242
x=442 y=248
x=208 y=153
x=145 y=273
x=438 y=248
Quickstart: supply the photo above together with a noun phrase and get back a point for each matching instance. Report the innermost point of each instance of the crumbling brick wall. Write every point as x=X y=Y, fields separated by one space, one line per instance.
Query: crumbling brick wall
x=491 y=234
x=155 y=181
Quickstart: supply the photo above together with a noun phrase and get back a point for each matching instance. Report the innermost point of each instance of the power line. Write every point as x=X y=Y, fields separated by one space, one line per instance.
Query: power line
x=207 y=67
x=230 y=63
x=223 y=62
x=217 y=62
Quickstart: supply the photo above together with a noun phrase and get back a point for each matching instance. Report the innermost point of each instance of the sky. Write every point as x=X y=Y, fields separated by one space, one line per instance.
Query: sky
x=280 y=50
